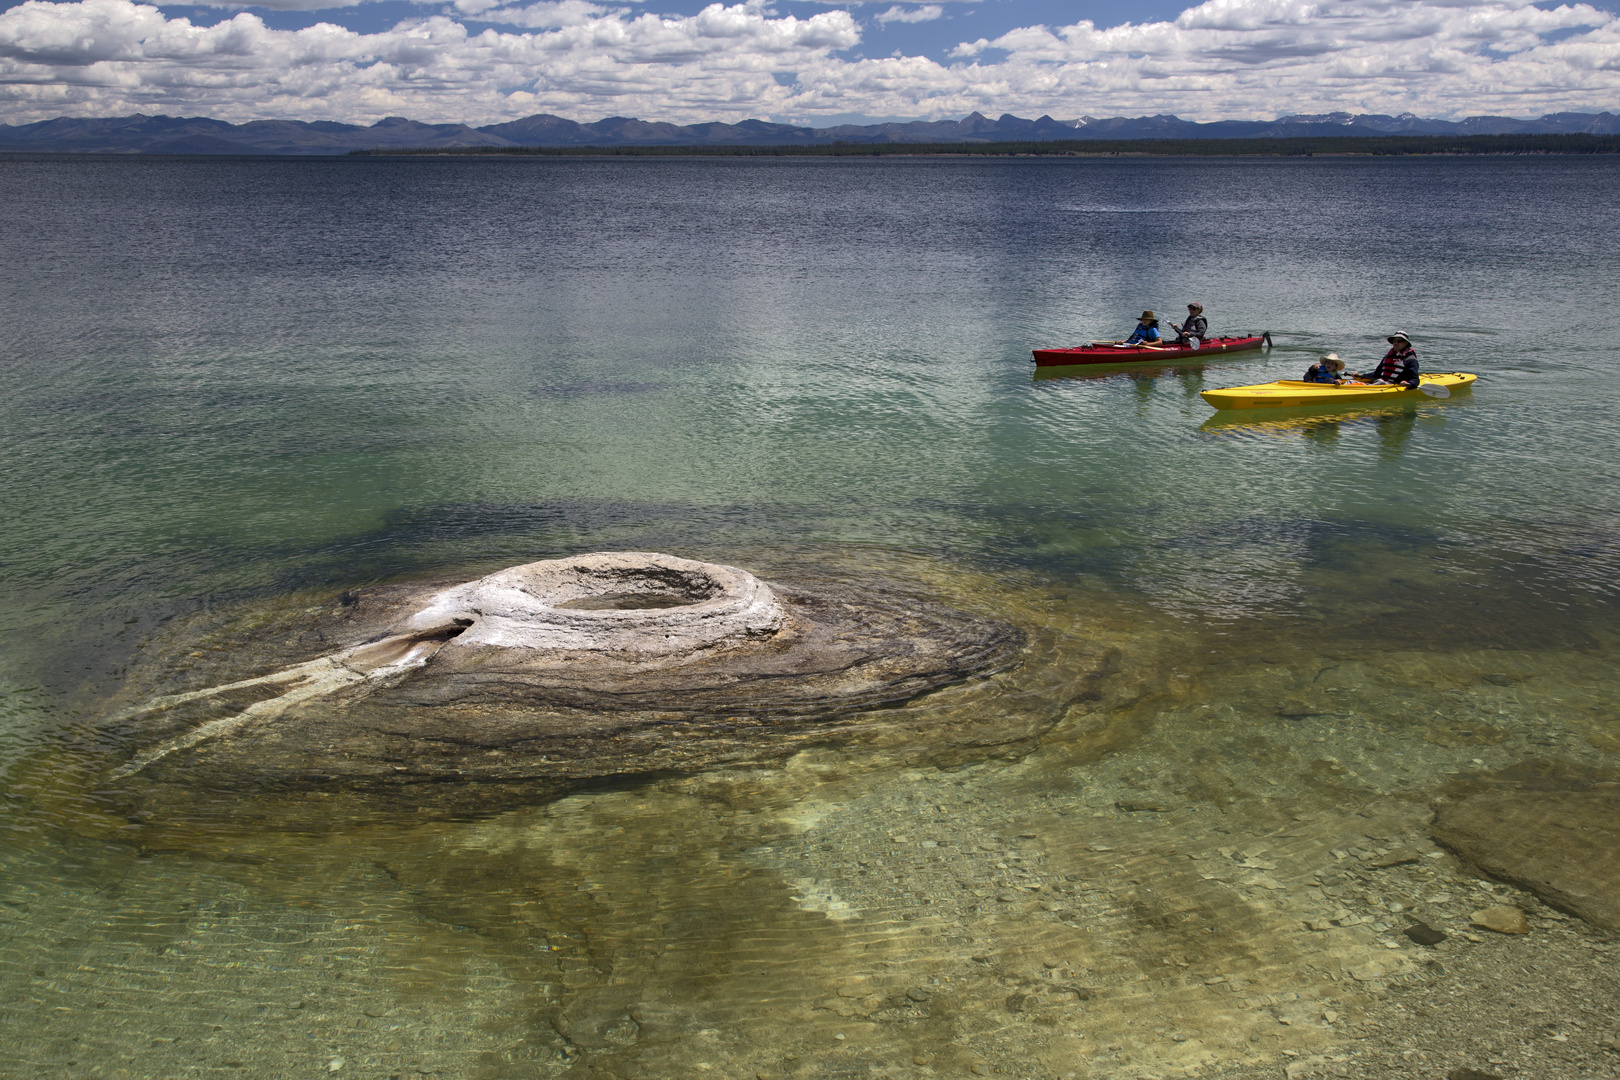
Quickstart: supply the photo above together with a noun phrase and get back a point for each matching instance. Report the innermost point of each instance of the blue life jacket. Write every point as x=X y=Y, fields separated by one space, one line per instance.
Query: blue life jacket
x=1149 y=334
x=1318 y=373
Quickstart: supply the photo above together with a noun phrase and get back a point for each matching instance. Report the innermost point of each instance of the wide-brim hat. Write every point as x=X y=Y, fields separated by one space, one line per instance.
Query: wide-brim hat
x=1398 y=336
x=1149 y=315
x=1332 y=356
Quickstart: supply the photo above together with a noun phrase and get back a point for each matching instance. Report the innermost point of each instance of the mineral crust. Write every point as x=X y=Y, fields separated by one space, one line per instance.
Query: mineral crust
x=558 y=672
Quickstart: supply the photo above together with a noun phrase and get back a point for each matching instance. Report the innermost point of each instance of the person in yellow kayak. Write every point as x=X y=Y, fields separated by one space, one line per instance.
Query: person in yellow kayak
x=1399 y=365
x=1327 y=369
x=1146 y=332
x=1195 y=329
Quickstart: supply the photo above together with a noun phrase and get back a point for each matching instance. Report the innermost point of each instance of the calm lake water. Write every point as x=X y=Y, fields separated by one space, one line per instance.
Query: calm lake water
x=231 y=382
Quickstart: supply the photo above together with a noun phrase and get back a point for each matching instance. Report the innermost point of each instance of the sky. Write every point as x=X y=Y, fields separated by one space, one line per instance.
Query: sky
x=812 y=62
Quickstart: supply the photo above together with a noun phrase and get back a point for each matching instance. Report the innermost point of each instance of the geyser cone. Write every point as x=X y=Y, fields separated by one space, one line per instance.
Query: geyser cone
x=543 y=676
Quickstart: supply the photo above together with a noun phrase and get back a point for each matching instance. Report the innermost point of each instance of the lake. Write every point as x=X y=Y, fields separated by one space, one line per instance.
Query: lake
x=242 y=385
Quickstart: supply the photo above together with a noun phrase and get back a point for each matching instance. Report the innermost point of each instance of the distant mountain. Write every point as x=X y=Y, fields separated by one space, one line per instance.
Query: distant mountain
x=173 y=135
x=199 y=135
x=972 y=128
x=547 y=130
x=1327 y=124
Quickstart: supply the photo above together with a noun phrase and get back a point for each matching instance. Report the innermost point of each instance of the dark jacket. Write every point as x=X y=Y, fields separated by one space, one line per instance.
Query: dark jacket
x=1195 y=327
x=1399 y=365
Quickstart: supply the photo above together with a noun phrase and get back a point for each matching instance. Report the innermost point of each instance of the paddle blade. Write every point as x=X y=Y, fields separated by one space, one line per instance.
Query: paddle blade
x=1433 y=391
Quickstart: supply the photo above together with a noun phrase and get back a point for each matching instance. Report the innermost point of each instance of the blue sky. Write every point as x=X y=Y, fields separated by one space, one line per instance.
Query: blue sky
x=483 y=61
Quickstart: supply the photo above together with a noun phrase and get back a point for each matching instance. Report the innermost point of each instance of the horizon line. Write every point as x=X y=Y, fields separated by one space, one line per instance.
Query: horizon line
x=813 y=126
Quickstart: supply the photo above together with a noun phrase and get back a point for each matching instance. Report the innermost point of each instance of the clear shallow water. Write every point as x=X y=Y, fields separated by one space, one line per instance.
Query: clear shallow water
x=230 y=381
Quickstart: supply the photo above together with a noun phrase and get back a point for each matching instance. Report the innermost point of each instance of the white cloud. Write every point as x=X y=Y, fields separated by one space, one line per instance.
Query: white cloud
x=926 y=13
x=542 y=16
x=1220 y=59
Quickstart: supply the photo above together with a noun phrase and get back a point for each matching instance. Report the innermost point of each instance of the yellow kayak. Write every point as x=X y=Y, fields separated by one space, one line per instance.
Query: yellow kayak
x=1295 y=393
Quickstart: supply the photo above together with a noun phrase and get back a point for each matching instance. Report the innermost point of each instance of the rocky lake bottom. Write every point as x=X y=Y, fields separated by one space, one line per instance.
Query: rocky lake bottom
x=1214 y=864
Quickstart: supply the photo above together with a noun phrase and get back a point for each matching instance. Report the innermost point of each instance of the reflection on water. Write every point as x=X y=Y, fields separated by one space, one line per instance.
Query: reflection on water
x=1324 y=423
x=1189 y=373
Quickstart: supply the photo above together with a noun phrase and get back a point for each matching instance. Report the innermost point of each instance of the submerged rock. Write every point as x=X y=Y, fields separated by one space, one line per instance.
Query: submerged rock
x=557 y=672
x=1424 y=934
x=1502 y=918
x=1564 y=846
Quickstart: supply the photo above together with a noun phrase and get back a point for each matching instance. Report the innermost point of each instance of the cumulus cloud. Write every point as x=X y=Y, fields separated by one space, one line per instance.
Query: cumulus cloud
x=488 y=60
x=542 y=16
x=926 y=13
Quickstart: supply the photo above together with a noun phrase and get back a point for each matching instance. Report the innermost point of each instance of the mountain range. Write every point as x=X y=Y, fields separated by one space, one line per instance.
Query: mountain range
x=140 y=134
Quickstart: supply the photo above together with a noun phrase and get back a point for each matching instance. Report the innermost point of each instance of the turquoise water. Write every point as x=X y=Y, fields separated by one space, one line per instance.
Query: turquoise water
x=227 y=382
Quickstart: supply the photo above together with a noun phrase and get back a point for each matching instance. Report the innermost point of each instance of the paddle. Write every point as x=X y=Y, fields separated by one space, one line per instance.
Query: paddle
x=1128 y=345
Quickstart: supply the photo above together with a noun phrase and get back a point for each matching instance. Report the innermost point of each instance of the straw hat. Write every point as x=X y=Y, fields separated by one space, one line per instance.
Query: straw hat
x=1330 y=358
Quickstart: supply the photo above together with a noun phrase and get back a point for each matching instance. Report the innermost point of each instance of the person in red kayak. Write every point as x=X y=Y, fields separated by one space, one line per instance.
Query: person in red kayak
x=1146 y=332
x=1399 y=365
x=1195 y=329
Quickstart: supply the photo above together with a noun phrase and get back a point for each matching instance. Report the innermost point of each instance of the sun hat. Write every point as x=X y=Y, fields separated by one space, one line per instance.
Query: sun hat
x=1398 y=336
x=1148 y=315
x=1332 y=358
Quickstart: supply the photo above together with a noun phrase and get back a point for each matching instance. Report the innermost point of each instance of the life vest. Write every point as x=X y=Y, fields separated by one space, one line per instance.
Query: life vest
x=1398 y=366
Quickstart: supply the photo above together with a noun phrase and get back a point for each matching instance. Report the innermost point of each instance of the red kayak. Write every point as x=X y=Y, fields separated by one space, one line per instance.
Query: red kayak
x=1146 y=354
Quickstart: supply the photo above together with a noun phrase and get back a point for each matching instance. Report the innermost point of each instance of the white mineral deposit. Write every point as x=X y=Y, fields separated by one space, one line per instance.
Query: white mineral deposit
x=633 y=605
